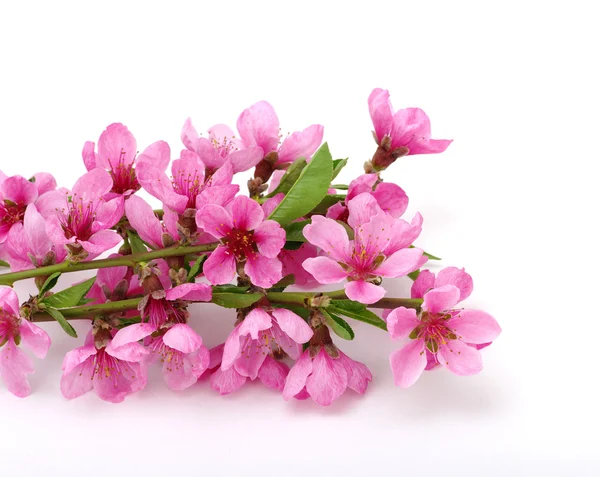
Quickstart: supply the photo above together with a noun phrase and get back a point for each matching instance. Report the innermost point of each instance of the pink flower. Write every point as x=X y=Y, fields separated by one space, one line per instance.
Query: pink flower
x=378 y=249
x=14 y=330
x=440 y=333
x=177 y=346
x=246 y=238
x=16 y=193
x=83 y=219
x=324 y=374
x=390 y=197
x=292 y=260
x=114 y=284
x=220 y=146
x=259 y=126
x=143 y=220
x=261 y=334
x=117 y=149
x=28 y=244
x=112 y=372
x=189 y=187
x=405 y=132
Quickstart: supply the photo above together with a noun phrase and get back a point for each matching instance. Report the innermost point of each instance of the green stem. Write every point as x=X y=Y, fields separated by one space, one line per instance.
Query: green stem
x=298 y=299
x=126 y=260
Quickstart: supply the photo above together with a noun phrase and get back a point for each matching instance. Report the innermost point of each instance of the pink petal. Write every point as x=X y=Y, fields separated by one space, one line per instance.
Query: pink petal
x=17 y=249
x=89 y=156
x=359 y=375
x=35 y=230
x=245 y=159
x=93 y=185
x=100 y=242
x=287 y=344
x=293 y=325
x=273 y=373
x=408 y=363
x=400 y=263
x=191 y=292
x=157 y=154
x=475 y=327
x=117 y=385
x=14 y=365
x=256 y=321
x=208 y=154
x=179 y=373
x=182 y=338
x=271 y=204
x=457 y=277
x=19 y=190
x=215 y=220
x=77 y=356
x=296 y=379
x=220 y=267
x=77 y=381
x=250 y=361
x=109 y=213
x=328 y=379
x=361 y=208
x=381 y=112
x=231 y=349
x=329 y=236
x=460 y=358
x=222 y=176
x=363 y=183
x=116 y=146
x=132 y=334
x=301 y=144
x=428 y=146
x=49 y=202
x=258 y=126
x=275 y=180
x=247 y=213
x=35 y=338
x=424 y=282
x=408 y=125
x=441 y=299
x=269 y=238
x=44 y=182
x=142 y=219
x=217 y=195
x=189 y=135
x=292 y=260
x=157 y=184
x=263 y=272
x=391 y=198
x=336 y=211
x=404 y=234
x=325 y=270
x=132 y=352
x=364 y=292
x=226 y=381
x=401 y=321
x=9 y=300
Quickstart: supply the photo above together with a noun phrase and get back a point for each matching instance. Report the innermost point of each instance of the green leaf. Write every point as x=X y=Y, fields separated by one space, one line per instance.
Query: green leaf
x=196 y=268
x=326 y=202
x=293 y=231
x=229 y=289
x=340 y=186
x=4 y=264
x=235 y=300
x=293 y=245
x=339 y=326
x=338 y=165
x=414 y=275
x=428 y=255
x=69 y=296
x=308 y=191
x=299 y=310
x=62 y=321
x=49 y=283
x=283 y=283
x=289 y=178
x=136 y=243
x=357 y=311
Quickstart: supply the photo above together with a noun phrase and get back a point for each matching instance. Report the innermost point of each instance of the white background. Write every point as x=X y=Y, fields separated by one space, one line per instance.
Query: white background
x=514 y=200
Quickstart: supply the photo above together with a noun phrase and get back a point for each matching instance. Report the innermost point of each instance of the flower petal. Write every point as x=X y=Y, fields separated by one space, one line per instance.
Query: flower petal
x=328 y=379
x=93 y=185
x=256 y=321
x=272 y=373
x=182 y=338
x=457 y=277
x=34 y=226
x=191 y=292
x=89 y=156
x=245 y=159
x=250 y=361
x=381 y=112
x=361 y=208
x=408 y=363
x=9 y=300
x=329 y=236
x=401 y=321
x=301 y=144
x=156 y=183
x=364 y=292
x=132 y=334
x=247 y=213
x=158 y=154
x=259 y=126
x=359 y=375
x=400 y=263
x=226 y=381
x=424 y=282
x=35 y=338
x=19 y=190
x=77 y=381
x=441 y=299
x=215 y=220
x=14 y=366
x=263 y=272
x=293 y=325
x=141 y=217
x=391 y=198
x=460 y=358
x=269 y=238
x=475 y=327
x=296 y=379
x=219 y=267
x=115 y=146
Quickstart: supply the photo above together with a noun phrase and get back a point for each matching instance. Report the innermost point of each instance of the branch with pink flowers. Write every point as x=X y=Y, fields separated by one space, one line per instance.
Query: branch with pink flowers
x=263 y=255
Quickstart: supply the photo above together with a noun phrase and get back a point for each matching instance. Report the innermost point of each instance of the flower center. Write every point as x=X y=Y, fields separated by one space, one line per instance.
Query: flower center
x=226 y=146
x=190 y=185
x=240 y=243
x=11 y=213
x=108 y=367
x=162 y=311
x=123 y=175
x=78 y=218
x=9 y=326
x=434 y=330
x=173 y=358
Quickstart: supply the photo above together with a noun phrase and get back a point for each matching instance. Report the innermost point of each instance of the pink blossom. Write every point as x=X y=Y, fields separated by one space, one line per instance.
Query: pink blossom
x=221 y=145
x=292 y=260
x=389 y=196
x=28 y=244
x=379 y=249
x=117 y=150
x=112 y=372
x=16 y=193
x=83 y=218
x=324 y=374
x=407 y=128
x=440 y=333
x=144 y=221
x=114 y=284
x=177 y=346
x=259 y=126
x=246 y=238
x=189 y=187
x=14 y=330
x=261 y=334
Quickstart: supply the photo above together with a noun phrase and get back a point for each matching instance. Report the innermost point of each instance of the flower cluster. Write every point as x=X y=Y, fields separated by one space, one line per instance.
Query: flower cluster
x=263 y=255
